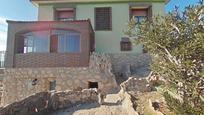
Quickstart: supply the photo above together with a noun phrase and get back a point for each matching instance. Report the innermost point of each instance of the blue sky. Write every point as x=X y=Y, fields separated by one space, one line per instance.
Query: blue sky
x=24 y=10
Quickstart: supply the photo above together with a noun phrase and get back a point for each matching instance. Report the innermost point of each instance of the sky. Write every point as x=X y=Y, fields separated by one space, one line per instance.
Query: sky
x=24 y=10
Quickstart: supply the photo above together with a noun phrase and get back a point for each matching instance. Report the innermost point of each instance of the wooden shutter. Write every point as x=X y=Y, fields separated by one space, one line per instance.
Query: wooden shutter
x=139 y=12
x=65 y=14
x=19 y=44
x=125 y=44
x=103 y=18
x=53 y=44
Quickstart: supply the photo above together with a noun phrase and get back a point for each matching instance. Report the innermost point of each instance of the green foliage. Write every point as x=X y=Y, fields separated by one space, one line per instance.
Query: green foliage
x=176 y=44
x=180 y=108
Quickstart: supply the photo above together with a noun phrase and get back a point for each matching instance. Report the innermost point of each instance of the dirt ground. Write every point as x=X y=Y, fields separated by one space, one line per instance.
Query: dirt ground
x=143 y=101
x=111 y=106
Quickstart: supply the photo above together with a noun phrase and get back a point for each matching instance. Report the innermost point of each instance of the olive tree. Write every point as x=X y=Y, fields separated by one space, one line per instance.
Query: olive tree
x=176 y=44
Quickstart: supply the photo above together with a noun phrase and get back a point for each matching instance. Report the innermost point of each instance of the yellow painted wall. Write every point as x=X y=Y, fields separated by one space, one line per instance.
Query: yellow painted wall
x=106 y=41
x=46 y=13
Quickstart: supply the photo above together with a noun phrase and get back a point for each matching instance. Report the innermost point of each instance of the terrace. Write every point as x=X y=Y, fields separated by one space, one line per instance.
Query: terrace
x=49 y=43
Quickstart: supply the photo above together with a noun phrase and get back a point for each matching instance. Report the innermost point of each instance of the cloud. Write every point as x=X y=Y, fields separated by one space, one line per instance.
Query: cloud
x=3 y=21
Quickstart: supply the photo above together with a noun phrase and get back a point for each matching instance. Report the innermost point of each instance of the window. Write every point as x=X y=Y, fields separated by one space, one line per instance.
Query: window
x=65 y=14
x=141 y=13
x=36 y=42
x=65 y=41
x=52 y=85
x=125 y=44
x=69 y=43
x=93 y=84
x=103 y=18
x=48 y=41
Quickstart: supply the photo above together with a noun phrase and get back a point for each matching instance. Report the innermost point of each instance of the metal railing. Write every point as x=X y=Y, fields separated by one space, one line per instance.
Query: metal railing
x=2 y=59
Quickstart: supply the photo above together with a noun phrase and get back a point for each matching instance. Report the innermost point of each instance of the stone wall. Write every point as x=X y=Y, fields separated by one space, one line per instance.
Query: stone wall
x=28 y=106
x=130 y=64
x=22 y=82
x=136 y=85
x=41 y=103
x=1 y=84
x=66 y=99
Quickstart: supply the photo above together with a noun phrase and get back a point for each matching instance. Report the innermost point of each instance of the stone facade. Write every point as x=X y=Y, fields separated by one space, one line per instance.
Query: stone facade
x=41 y=103
x=130 y=64
x=22 y=82
x=1 y=83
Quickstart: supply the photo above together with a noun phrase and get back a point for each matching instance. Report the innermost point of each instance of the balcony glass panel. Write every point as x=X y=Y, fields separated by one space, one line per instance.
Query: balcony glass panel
x=73 y=43
x=36 y=42
x=2 y=58
x=68 y=41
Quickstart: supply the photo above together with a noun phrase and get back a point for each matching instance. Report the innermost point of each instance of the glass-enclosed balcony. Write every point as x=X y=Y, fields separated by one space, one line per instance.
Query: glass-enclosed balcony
x=49 y=43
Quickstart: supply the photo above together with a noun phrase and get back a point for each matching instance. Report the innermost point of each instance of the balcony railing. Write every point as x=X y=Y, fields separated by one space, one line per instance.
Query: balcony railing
x=2 y=59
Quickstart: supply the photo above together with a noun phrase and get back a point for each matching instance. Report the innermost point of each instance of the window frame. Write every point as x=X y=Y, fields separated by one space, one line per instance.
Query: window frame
x=33 y=39
x=67 y=34
x=111 y=19
x=57 y=10
x=123 y=44
x=147 y=7
x=24 y=37
x=138 y=16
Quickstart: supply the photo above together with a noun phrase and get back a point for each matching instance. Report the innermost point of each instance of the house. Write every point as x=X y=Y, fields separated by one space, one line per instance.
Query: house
x=53 y=53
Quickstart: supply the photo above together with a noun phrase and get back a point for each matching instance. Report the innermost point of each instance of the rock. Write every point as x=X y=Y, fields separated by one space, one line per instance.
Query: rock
x=136 y=85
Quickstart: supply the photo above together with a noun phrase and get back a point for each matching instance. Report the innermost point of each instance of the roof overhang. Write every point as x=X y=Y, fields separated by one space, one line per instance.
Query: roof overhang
x=37 y=2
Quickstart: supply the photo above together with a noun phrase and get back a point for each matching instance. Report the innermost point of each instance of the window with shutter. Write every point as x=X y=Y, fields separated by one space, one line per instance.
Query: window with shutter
x=140 y=14
x=103 y=18
x=65 y=14
x=125 y=44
